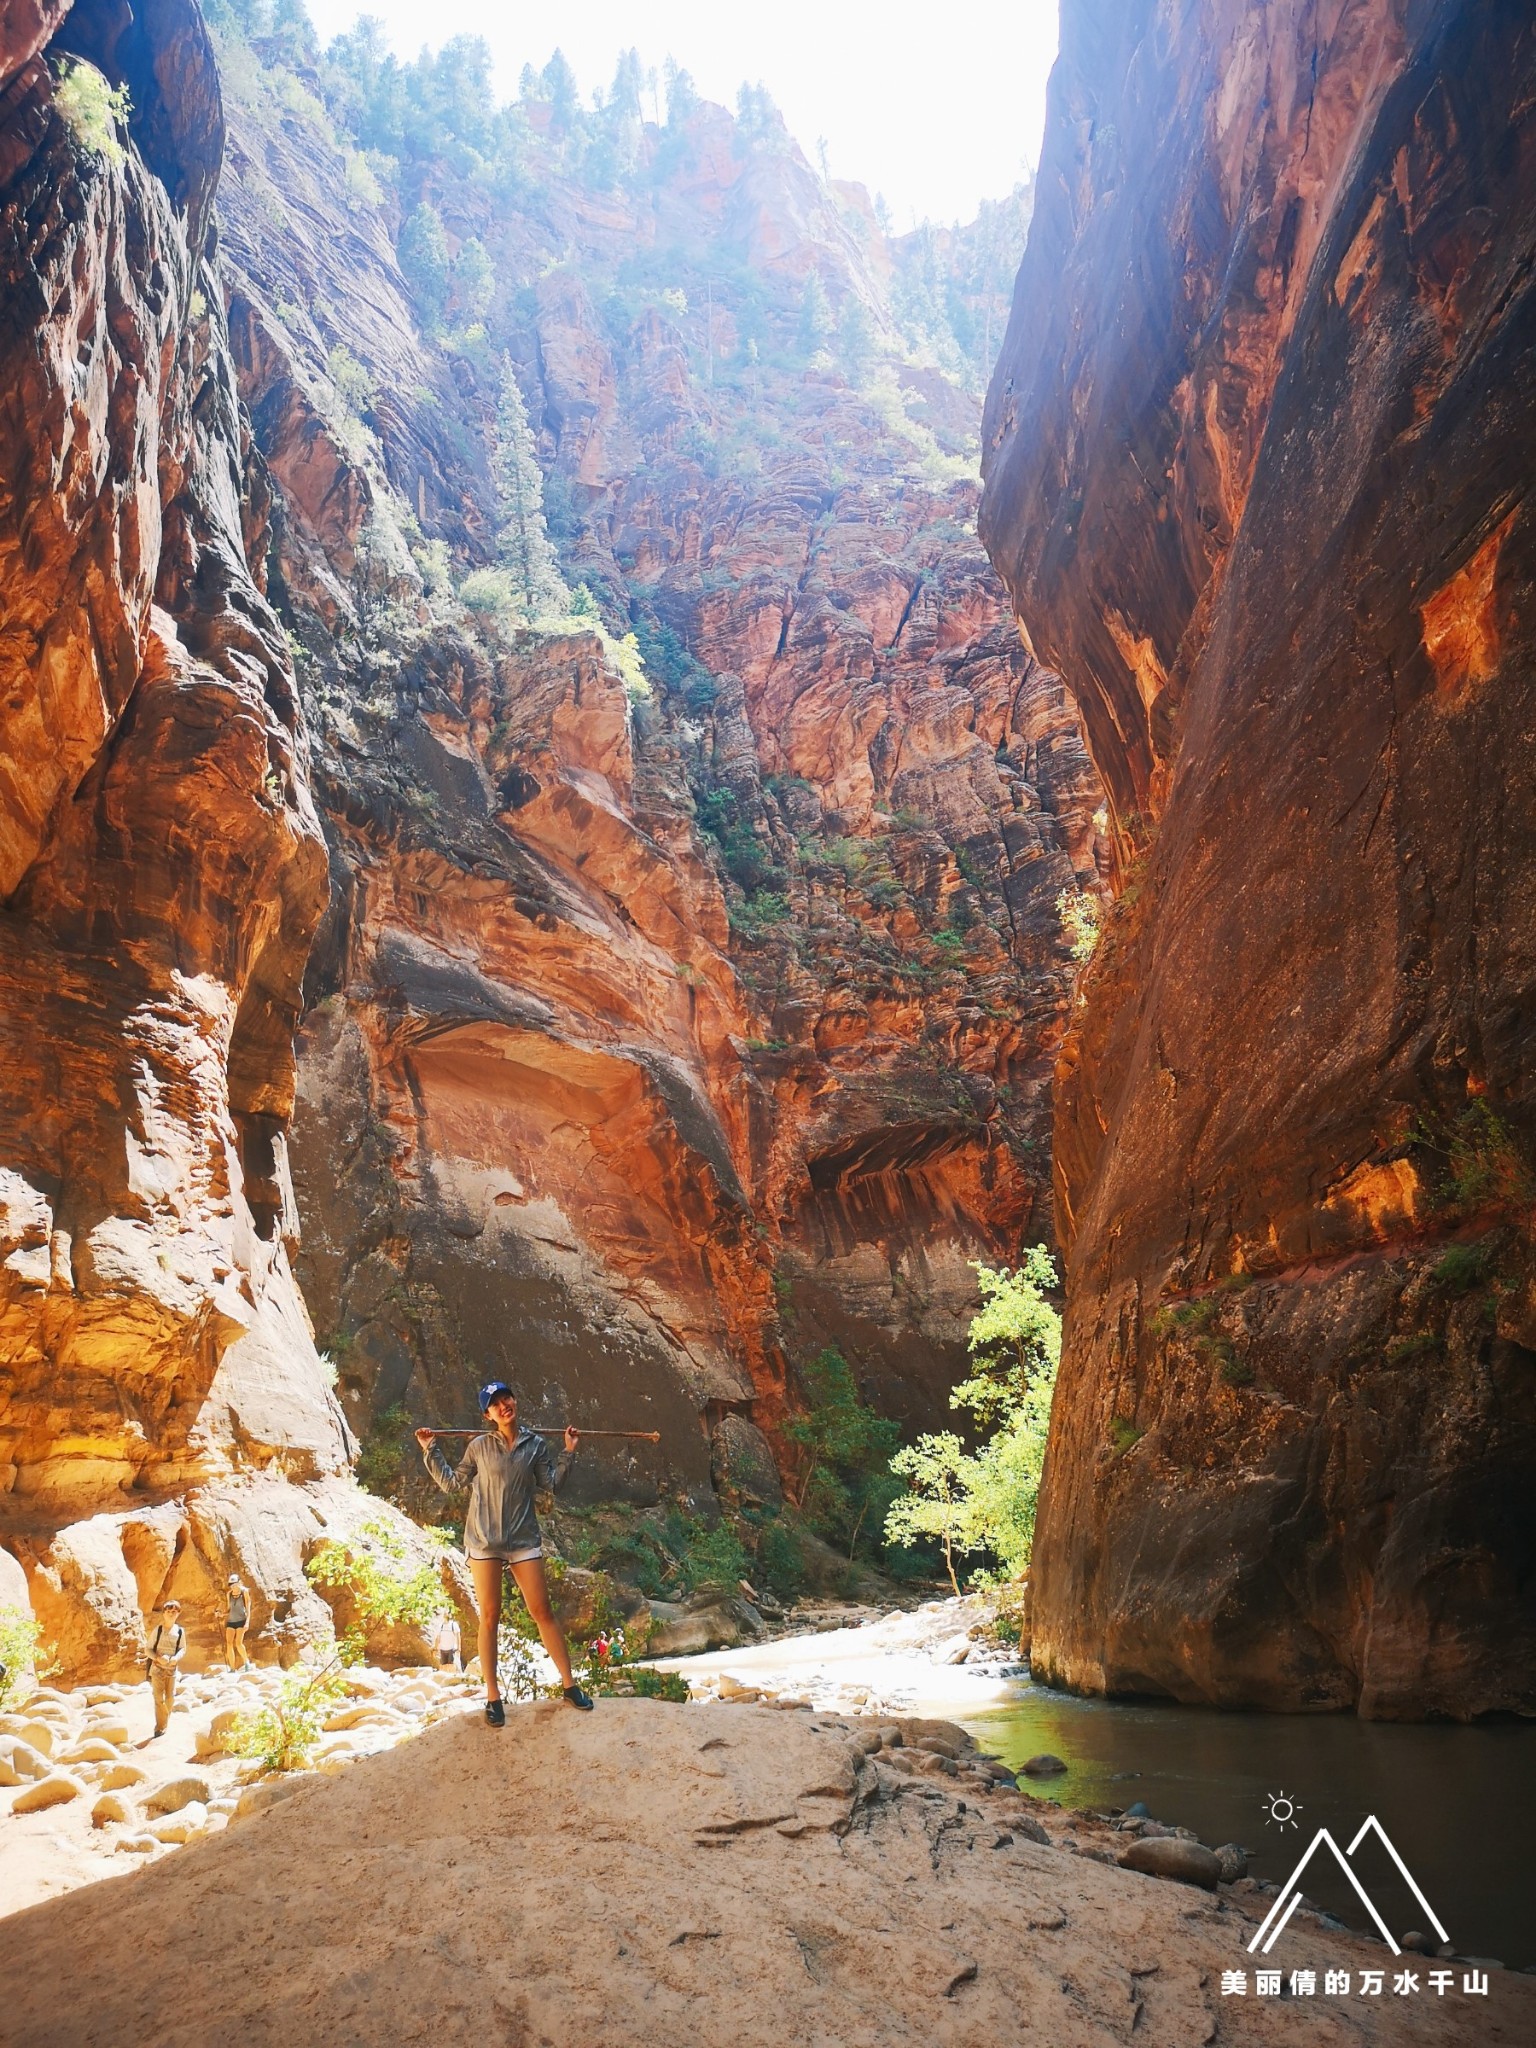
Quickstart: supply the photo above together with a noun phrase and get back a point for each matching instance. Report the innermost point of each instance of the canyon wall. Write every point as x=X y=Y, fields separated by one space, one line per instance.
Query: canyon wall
x=164 y=1414
x=1257 y=458
x=657 y=1036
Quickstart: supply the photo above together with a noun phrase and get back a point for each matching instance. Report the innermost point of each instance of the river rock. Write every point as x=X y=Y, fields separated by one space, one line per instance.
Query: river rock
x=174 y=1793
x=20 y=1763
x=55 y=1790
x=213 y=1738
x=1233 y=1859
x=108 y=1810
x=182 y=1825
x=268 y=1792
x=1187 y=1862
x=93 y=1751
x=119 y=1776
x=1043 y=1766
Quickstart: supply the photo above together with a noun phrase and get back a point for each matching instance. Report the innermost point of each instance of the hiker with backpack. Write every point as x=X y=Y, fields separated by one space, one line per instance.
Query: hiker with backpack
x=167 y=1647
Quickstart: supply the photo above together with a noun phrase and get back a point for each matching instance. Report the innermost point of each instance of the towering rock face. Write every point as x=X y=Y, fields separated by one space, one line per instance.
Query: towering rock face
x=657 y=1039
x=162 y=872
x=1257 y=455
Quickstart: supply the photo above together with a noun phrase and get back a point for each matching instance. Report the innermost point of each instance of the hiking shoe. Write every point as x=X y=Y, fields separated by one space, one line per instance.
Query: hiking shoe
x=495 y=1714
x=578 y=1698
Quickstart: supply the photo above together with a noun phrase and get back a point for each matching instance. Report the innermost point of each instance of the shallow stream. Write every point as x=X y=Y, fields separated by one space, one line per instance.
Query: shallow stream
x=1458 y=1802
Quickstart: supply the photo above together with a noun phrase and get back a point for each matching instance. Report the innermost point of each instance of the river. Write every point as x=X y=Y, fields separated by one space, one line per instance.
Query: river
x=1458 y=1802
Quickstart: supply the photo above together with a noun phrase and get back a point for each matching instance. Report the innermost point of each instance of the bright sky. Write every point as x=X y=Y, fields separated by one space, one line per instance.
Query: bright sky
x=938 y=107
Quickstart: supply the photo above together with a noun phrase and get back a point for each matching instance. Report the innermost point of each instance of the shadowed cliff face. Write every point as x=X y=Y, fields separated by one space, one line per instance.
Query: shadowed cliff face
x=162 y=873
x=655 y=1043
x=1260 y=493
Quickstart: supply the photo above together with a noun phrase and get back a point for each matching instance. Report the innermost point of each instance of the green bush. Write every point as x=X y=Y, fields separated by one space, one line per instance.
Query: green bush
x=1461 y=1267
x=843 y=1486
x=281 y=1736
x=656 y=1685
x=92 y=110
x=22 y=1661
x=374 y=1568
x=1123 y=1433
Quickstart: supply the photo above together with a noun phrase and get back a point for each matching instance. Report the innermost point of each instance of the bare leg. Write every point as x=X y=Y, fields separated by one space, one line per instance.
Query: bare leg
x=231 y=1636
x=534 y=1587
x=486 y=1573
x=241 y=1651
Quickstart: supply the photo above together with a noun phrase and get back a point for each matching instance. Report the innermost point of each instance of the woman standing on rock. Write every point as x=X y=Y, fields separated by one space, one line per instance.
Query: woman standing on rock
x=503 y=1470
x=237 y=1619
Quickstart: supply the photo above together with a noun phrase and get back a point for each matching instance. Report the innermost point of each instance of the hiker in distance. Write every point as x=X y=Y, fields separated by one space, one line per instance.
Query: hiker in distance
x=503 y=1470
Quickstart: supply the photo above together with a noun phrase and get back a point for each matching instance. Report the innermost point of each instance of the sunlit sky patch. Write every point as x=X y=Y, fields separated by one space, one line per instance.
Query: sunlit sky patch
x=937 y=109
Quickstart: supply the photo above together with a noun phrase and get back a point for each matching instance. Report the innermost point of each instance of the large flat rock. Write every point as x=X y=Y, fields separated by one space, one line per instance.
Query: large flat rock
x=703 y=1874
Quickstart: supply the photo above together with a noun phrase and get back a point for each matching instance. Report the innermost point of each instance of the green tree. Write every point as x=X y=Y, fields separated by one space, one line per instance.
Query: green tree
x=855 y=339
x=523 y=539
x=938 y=1501
x=375 y=1570
x=988 y=1501
x=815 y=325
x=424 y=263
x=845 y=1451
x=1014 y=1338
x=557 y=84
x=474 y=283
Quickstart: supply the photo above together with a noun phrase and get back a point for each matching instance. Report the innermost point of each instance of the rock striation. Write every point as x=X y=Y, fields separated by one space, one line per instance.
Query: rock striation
x=1255 y=459
x=162 y=874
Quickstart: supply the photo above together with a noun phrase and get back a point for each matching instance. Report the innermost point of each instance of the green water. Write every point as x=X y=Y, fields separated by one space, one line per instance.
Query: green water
x=1458 y=1802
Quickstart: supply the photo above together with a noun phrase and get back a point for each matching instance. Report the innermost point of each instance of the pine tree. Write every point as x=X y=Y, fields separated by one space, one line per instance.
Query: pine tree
x=423 y=254
x=815 y=317
x=523 y=540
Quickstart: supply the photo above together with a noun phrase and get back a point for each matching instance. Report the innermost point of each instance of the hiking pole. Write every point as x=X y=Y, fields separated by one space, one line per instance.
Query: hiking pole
x=645 y=1436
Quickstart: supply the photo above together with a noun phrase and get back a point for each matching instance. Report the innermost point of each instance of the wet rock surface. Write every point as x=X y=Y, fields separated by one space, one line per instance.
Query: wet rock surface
x=1257 y=494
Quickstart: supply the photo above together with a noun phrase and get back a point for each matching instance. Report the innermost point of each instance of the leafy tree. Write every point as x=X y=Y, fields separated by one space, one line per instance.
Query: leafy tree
x=845 y=1450
x=1014 y=1338
x=281 y=1735
x=424 y=263
x=987 y=1501
x=523 y=540
x=938 y=1502
x=375 y=1570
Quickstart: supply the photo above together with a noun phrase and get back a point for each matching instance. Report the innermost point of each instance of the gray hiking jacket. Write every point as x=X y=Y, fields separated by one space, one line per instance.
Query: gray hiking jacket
x=502 y=1484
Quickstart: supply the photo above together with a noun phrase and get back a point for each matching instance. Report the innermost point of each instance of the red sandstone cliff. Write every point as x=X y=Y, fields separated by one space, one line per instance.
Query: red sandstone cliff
x=654 y=1044
x=164 y=1415
x=1257 y=456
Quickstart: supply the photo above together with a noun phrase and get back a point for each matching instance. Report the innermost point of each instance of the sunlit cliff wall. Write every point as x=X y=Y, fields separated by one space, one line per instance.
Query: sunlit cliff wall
x=1257 y=458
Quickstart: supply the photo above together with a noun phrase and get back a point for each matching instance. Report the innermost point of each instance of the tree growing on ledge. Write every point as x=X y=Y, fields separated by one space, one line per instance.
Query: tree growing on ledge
x=523 y=541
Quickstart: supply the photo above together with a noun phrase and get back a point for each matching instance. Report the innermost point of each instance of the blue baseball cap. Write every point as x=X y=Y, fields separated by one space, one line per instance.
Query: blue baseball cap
x=490 y=1391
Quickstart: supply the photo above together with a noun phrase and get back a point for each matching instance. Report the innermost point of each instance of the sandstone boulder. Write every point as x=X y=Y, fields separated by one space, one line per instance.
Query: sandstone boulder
x=1187 y=1862
x=171 y=1794
x=57 y=1789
